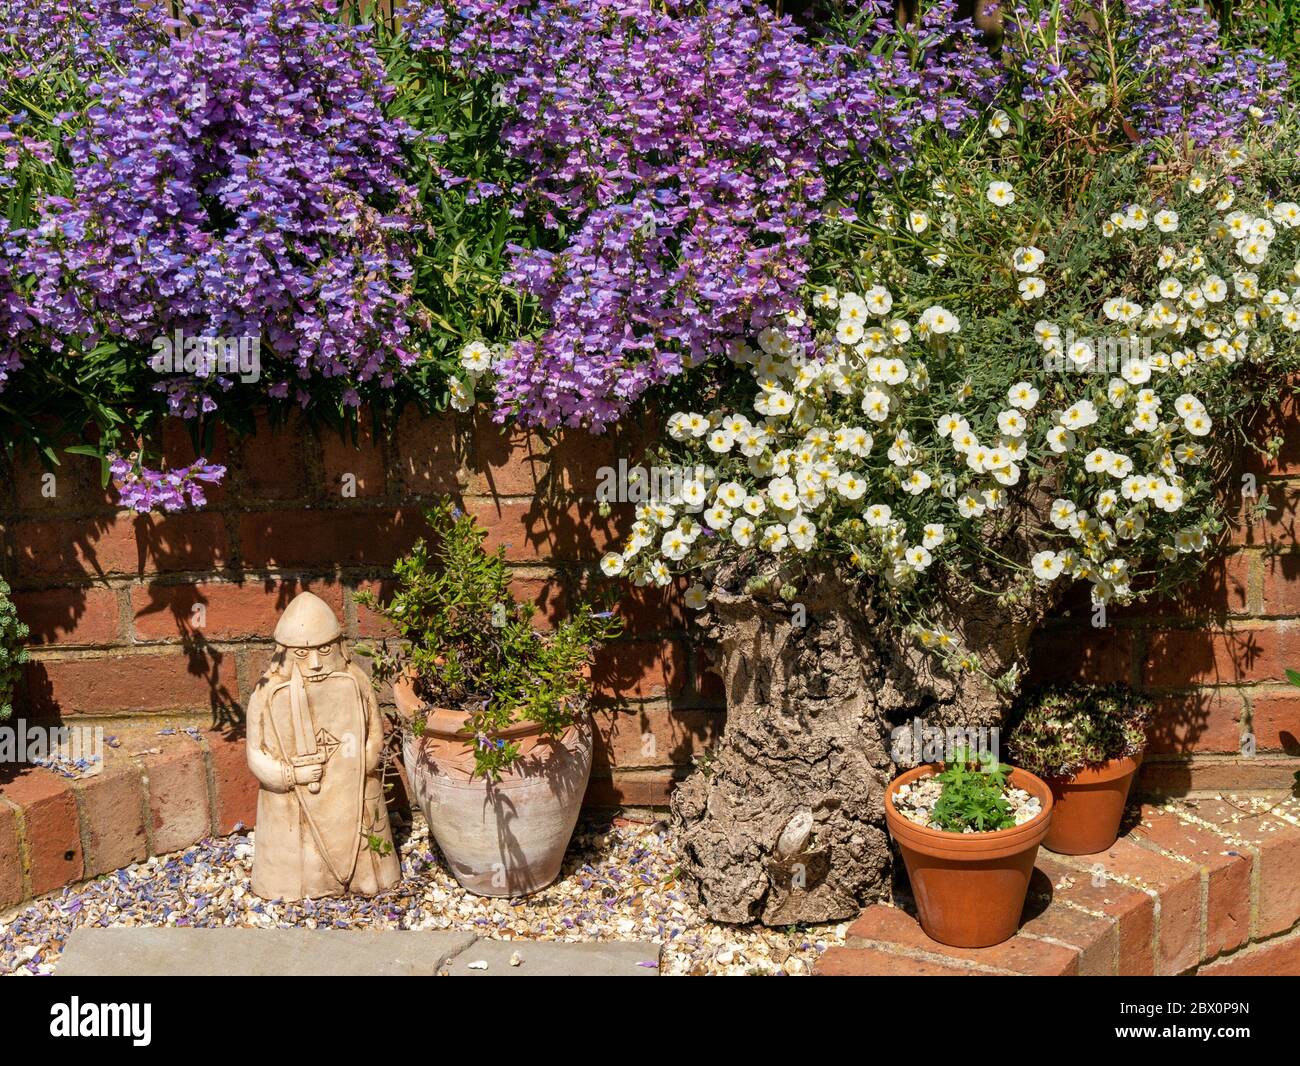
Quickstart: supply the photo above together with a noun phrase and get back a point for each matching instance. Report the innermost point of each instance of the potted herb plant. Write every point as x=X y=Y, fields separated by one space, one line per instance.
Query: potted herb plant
x=968 y=831
x=496 y=738
x=1086 y=742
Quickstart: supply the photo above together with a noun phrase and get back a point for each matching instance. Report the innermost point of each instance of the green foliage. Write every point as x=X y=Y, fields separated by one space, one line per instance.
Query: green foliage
x=459 y=165
x=471 y=645
x=1270 y=25
x=972 y=798
x=12 y=653
x=1061 y=730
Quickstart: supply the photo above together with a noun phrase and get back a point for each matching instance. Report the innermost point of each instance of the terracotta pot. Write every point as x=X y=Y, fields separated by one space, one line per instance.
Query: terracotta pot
x=969 y=887
x=500 y=838
x=1089 y=807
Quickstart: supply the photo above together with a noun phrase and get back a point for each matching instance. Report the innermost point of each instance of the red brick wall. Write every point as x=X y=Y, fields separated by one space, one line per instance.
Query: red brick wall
x=1215 y=657
x=111 y=597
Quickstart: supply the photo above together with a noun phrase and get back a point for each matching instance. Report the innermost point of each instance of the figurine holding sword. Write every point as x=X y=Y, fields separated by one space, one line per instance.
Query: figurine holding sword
x=314 y=743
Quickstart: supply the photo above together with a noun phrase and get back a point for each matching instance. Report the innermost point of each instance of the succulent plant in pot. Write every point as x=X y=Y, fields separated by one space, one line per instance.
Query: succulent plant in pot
x=1087 y=743
x=496 y=738
x=968 y=831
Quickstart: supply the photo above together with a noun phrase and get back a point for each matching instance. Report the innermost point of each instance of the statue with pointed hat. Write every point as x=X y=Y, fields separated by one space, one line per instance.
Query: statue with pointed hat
x=315 y=740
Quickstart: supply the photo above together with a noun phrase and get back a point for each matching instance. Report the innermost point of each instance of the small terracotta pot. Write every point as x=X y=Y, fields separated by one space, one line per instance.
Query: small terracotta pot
x=1089 y=807
x=504 y=837
x=969 y=887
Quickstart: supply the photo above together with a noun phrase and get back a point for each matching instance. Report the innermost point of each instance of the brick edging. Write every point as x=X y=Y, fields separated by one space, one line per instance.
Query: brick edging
x=1192 y=887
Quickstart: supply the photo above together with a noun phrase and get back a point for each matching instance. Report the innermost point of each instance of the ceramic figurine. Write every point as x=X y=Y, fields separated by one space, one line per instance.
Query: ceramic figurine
x=314 y=743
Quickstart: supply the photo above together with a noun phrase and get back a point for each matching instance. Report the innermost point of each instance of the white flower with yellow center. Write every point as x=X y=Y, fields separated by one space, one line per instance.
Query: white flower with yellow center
x=1252 y=250
x=696 y=597
x=1166 y=221
x=878 y=300
x=803 y=534
x=774 y=538
x=674 y=545
x=1130 y=525
x=694 y=493
x=612 y=564
x=1059 y=439
x=1169 y=498
x=1145 y=421
x=933 y=535
x=1119 y=466
x=827 y=299
x=848 y=331
x=462 y=394
x=1012 y=423
x=1022 y=396
x=877 y=515
x=476 y=357
x=783 y=494
x=1000 y=194
x=916 y=483
x=1287 y=214
x=1079 y=415
x=918 y=557
x=721 y=440
x=875 y=404
x=969 y=506
x=851 y=485
x=853 y=308
x=1171 y=289
x=1134 y=488
x=1062 y=513
x=1136 y=372
x=1198 y=425
x=938 y=321
x=1032 y=289
x=717 y=517
x=1027 y=259
x=918 y=221
x=1097 y=461
x=1046 y=566
x=999 y=124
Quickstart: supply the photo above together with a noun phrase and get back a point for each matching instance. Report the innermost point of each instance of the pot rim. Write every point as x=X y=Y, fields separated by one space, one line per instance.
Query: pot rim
x=449 y=722
x=1103 y=773
x=1016 y=838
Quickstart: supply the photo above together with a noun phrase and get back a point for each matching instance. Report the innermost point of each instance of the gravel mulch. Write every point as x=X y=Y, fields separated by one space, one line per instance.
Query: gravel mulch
x=619 y=883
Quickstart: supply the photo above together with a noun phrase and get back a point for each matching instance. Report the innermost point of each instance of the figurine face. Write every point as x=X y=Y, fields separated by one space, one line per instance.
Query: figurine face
x=317 y=663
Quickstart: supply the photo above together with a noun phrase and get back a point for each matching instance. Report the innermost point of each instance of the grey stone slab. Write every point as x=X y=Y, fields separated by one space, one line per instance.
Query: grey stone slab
x=238 y=952
x=548 y=958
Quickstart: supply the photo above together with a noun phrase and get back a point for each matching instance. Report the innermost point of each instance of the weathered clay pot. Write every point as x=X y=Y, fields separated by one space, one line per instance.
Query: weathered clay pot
x=969 y=887
x=1089 y=807
x=506 y=837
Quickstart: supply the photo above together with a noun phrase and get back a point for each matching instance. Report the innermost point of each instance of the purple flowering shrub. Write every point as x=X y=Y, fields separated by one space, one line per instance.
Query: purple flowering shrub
x=680 y=154
x=237 y=185
x=240 y=180
x=1144 y=69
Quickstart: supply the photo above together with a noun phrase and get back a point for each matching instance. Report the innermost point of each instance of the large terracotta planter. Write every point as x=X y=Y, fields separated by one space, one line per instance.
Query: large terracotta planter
x=969 y=887
x=505 y=837
x=1089 y=807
